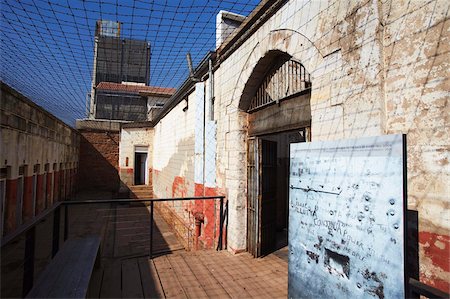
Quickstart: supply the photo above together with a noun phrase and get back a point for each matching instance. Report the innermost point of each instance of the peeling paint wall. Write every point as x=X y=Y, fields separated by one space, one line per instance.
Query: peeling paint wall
x=173 y=166
x=377 y=67
x=417 y=71
x=173 y=151
x=184 y=166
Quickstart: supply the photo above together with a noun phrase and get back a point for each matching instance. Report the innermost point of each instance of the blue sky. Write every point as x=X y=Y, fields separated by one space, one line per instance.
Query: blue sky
x=47 y=46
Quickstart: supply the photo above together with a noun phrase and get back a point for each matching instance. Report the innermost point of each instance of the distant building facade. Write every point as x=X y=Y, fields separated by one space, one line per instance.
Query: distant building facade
x=120 y=95
x=117 y=60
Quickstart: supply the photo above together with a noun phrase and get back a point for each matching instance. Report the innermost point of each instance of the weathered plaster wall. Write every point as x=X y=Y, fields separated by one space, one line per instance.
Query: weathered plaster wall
x=173 y=152
x=184 y=166
x=129 y=139
x=173 y=165
x=417 y=70
x=44 y=147
x=376 y=67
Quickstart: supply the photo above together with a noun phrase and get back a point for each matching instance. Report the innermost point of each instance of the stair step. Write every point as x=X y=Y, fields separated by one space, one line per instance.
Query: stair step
x=134 y=196
x=141 y=191
x=140 y=187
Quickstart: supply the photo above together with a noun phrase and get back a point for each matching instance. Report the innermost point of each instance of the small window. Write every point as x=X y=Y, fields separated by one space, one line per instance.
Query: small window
x=37 y=168
x=22 y=170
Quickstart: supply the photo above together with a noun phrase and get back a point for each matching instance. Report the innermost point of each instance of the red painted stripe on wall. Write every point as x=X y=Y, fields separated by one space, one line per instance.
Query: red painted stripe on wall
x=39 y=194
x=10 y=205
x=27 y=206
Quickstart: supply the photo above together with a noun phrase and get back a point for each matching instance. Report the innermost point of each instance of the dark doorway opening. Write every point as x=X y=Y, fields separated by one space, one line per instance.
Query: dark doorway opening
x=268 y=196
x=140 y=161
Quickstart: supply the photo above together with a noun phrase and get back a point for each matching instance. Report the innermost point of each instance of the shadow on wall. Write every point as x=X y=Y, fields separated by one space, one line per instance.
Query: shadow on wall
x=99 y=161
x=412 y=245
x=177 y=179
x=171 y=182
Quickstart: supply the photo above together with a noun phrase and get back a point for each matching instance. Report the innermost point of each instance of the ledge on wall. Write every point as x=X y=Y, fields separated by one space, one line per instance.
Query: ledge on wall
x=139 y=124
x=99 y=125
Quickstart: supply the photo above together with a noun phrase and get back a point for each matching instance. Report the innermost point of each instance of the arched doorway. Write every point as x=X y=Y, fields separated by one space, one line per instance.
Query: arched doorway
x=277 y=100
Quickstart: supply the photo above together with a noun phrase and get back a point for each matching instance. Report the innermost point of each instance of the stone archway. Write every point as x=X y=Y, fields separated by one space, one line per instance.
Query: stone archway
x=280 y=42
x=277 y=43
x=278 y=46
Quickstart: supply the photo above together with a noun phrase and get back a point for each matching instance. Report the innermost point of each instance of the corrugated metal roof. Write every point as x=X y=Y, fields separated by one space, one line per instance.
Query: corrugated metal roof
x=131 y=88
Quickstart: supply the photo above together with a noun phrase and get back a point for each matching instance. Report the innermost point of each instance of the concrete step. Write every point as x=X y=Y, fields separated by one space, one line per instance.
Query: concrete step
x=140 y=187
x=141 y=196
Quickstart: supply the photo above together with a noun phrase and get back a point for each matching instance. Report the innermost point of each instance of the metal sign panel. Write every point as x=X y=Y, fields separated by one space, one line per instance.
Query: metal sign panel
x=346 y=219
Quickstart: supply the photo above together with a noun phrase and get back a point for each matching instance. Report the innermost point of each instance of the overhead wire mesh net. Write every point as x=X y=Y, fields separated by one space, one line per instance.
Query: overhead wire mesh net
x=47 y=47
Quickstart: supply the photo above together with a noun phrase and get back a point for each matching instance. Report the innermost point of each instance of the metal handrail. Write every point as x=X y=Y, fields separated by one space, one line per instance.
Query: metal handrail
x=128 y=200
x=152 y=201
x=419 y=288
x=29 y=229
x=29 y=225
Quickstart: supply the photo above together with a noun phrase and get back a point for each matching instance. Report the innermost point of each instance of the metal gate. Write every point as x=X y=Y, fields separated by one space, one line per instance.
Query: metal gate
x=261 y=196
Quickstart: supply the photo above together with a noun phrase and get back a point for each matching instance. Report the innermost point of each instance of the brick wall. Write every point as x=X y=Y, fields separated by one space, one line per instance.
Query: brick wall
x=99 y=160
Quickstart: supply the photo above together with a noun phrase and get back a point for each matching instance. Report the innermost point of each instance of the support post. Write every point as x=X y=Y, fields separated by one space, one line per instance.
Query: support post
x=28 y=266
x=55 y=237
x=220 y=246
x=66 y=222
x=151 y=230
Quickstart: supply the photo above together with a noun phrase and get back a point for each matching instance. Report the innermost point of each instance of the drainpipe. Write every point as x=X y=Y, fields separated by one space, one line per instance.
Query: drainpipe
x=199 y=216
x=211 y=91
x=208 y=117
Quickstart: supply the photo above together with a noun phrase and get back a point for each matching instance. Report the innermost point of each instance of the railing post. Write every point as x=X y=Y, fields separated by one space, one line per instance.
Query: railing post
x=28 y=266
x=151 y=230
x=226 y=225
x=220 y=246
x=66 y=222
x=55 y=237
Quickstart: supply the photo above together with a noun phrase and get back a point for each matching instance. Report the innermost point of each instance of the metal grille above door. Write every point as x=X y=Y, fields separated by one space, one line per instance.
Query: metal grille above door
x=281 y=82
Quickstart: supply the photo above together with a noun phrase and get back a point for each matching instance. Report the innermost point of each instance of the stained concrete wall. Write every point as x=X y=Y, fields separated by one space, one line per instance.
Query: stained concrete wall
x=129 y=139
x=35 y=146
x=377 y=67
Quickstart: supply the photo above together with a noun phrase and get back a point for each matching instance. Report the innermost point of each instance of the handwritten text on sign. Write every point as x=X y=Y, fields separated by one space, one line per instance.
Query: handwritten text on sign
x=346 y=219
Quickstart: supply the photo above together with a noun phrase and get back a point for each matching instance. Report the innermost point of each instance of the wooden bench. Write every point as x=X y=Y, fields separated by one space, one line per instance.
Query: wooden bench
x=69 y=272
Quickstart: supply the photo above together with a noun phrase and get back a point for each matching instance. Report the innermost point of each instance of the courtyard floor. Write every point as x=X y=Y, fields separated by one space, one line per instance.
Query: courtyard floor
x=127 y=272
